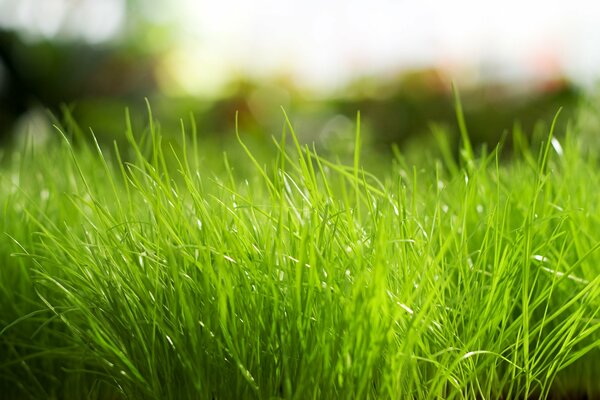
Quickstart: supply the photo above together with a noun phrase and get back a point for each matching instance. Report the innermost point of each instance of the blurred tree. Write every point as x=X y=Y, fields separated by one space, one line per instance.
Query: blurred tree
x=75 y=59
x=99 y=52
x=416 y=99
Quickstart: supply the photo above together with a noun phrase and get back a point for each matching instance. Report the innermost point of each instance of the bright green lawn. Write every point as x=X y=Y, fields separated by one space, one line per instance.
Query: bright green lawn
x=166 y=271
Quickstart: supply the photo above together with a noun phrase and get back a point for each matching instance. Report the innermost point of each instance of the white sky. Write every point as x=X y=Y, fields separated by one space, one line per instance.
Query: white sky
x=91 y=20
x=324 y=43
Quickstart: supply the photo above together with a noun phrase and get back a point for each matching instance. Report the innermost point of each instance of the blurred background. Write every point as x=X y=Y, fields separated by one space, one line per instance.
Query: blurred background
x=394 y=60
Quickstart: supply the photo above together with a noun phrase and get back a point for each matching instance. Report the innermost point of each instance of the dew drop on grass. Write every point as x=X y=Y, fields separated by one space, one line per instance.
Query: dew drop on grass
x=186 y=276
x=170 y=341
x=44 y=194
x=479 y=208
x=246 y=373
x=141 y=259
x=405 y=308
x=557 y=147
x=199 y=223
x=473 y=353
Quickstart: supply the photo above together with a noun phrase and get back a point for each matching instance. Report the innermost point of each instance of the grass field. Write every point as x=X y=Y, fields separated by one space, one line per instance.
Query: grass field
x=167 y=270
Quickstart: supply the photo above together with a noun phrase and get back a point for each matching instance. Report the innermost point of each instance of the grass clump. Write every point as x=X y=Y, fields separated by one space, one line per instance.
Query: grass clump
x=161 y=271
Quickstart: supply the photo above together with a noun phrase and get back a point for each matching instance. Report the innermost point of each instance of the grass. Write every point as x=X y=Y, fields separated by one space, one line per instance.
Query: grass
x=163 y=270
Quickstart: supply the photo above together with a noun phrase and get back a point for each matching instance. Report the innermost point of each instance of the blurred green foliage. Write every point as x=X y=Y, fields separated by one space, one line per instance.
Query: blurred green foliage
x=95 y=83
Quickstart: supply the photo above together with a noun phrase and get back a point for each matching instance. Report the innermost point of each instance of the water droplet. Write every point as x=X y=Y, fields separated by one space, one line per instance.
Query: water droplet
x=44 y=194
x=557 y=147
